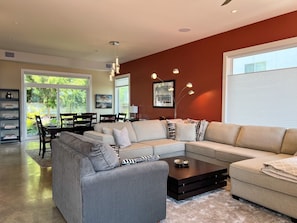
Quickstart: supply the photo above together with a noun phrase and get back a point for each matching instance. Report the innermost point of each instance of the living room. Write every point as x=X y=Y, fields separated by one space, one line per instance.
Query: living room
x=200 y=62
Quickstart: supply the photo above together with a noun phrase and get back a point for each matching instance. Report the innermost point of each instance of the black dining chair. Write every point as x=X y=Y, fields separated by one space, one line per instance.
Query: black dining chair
x=67 y=120
x=82 y=123
x=94 y=117
x=44 y=138
x=121 y=117
x=107 y=118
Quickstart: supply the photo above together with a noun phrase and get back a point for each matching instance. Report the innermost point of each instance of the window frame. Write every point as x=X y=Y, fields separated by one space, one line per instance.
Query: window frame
x=230 y=55
x=116 y=107
x=50 y=73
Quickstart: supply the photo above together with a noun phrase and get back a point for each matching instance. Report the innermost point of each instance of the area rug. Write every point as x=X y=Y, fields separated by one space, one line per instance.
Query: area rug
x=219 y=207
x=45 y=162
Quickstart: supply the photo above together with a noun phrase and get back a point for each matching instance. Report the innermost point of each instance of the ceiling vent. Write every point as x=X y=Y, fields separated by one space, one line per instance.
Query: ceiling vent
x=108 y=65
x=9 y=54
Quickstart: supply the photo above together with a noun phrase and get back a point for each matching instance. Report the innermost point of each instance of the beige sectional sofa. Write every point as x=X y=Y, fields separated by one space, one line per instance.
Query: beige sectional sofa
x=245 y=149
x=242 y=149
x=224 y=144
x=147 y=137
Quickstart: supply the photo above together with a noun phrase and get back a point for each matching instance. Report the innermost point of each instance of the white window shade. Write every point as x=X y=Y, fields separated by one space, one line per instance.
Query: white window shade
x=263 y=98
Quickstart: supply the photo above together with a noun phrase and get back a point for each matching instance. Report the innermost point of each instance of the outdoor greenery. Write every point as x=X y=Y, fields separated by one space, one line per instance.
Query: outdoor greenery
x=48 y=96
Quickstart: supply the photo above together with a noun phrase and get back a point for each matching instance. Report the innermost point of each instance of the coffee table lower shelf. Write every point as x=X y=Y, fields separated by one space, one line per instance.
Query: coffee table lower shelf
x=199 y=177
x=181 y=191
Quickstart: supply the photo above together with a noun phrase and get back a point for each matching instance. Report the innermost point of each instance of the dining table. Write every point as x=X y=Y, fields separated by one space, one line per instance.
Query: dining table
x=54 y=130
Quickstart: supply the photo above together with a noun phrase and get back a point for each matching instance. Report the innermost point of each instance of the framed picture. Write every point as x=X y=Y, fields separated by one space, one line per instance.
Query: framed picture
x=163 y=94
x=103 y=101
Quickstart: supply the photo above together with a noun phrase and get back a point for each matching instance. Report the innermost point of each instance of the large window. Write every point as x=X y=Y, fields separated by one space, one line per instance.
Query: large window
x=122 y=94
x=48 y=94
x=260 y=85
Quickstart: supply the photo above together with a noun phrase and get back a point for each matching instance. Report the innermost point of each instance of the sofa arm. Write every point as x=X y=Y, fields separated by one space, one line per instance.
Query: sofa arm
x=105 y=138
x=134 y=193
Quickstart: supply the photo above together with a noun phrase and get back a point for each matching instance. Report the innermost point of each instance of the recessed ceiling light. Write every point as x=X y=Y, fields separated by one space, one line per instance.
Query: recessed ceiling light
x=234 y=11
x=184 y=30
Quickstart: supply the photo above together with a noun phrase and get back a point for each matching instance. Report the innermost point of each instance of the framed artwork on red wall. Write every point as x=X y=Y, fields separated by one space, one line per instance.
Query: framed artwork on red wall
x=163 y=94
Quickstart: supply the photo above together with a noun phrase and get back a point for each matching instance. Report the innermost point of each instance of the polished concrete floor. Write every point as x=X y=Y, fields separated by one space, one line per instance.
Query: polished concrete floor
x=25 y=188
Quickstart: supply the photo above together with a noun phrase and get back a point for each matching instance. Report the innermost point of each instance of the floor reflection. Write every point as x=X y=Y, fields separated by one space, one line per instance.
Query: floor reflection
x=25 y=187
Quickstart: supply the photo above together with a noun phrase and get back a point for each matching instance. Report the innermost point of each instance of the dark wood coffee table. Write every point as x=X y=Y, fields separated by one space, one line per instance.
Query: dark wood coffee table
x=198 y=178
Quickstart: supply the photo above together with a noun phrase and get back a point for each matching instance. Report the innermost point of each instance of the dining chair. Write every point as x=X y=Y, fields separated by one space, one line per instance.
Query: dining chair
x=94 y=117
x=107 y=118
x=67 y=120
x=43 y=137
x=121 y=117
x=82 y=123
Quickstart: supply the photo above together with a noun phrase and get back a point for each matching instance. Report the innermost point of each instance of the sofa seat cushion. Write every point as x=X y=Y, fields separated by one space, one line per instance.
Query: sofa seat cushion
x=116 y=125
x=249 y=171
x=165 y=146
x=205 y=148
x=135 y=150
x=261 y=138
x=234 y=154
x=149 y=130
x=102 y=156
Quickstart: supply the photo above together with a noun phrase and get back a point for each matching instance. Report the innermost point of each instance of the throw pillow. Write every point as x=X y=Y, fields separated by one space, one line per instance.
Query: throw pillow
x=185 y=132
x=103 y=157
x=171 y=127
x=197 y=122
x=201 y=131
x=189 y=120
x=147 y=158
x=106 y=130
x=170 y=130
x=121 y=137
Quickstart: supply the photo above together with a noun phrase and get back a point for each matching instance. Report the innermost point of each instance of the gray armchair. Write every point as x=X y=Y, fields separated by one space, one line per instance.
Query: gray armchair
x=135 y=193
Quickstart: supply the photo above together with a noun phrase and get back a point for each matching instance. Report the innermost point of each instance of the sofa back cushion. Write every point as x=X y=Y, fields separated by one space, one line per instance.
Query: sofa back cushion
x=101 y=155
x=261 y=138
x=185 y=131
x=117 y=125
x=289 y=145
x=222 y=132
x=149 y=130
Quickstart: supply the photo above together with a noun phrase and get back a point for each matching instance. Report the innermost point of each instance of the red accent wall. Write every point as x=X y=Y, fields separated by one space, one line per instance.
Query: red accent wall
x=200 y=62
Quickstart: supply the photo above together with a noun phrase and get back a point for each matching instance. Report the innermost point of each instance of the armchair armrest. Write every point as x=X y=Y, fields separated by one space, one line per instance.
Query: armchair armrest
x=140 y=190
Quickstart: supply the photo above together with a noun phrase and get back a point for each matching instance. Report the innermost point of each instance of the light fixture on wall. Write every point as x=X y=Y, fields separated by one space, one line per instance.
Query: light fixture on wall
x=115 y=66
x=155 y=75
x=181 y=95
x=177 y=99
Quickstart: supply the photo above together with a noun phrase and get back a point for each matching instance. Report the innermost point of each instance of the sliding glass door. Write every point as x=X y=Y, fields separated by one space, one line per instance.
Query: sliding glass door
x=72 y=100
x=43 y=102
x=48 y=95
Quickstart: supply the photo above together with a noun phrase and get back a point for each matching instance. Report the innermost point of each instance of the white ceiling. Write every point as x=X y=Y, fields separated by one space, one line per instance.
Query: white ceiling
x=82 y=29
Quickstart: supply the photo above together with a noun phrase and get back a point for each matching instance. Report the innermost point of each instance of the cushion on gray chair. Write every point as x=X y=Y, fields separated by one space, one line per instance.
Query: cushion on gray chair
x=102 y=156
